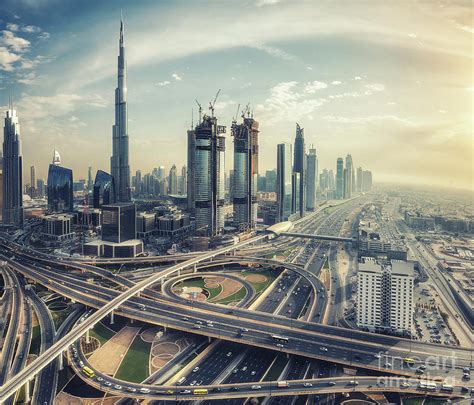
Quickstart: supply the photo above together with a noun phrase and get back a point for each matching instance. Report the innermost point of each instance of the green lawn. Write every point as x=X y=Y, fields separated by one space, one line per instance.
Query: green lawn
x=237 y=296
x=134 y=366
x=199 y=282
x=101 y=333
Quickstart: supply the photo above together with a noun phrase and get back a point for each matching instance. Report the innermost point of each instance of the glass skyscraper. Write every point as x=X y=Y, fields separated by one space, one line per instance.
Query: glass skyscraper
x=60 y=189
x=299 y=167
x=284 y=180
x=311 y=179
x=104 y=189
x=339 y=178
x=12 y=171
x=244 y=188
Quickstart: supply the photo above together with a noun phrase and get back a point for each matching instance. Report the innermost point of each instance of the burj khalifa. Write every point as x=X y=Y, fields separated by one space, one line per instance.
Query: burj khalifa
x=119 y=165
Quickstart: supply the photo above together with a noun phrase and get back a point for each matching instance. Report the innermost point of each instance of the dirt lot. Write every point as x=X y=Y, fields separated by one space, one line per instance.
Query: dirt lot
x=107 y=359
x=229 y=287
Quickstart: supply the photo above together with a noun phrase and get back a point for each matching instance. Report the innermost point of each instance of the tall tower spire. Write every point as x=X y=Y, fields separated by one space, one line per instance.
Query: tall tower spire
x=119 y=164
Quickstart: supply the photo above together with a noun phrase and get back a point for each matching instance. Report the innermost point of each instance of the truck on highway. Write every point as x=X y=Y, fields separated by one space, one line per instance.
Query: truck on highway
x=200 y=391
x=88 y=372
x=283 y=384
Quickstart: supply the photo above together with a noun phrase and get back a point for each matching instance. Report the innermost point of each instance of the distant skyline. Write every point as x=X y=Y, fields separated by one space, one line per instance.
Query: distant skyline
x=389 y=83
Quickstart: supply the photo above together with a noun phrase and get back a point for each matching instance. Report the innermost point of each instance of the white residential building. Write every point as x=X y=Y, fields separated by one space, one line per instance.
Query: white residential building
x=385 y=295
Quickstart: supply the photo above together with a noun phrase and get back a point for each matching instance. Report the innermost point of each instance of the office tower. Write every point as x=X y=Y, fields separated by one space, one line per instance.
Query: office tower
x=359 y=180
x=366 y=180
x=90 y=184
x=261 y=183
x=173 y=181
x=353 y=180
x=206 y=154
x=339 y=178
x=311 y=179
x=284 y=180
x=12 y=170
x=331 y=183
x=323 y=180
x=231 y=183
x=190 y=169
x=138 y=182
x=299 y=167
x=385 y=295
x=40 y=188
x=1 y=194
x=244 y=195
x=118 y=222
x=270 y=181
x=119 y=166
x=182 y=181
x=161 y=173
x=104 y=189
x=60 y=187
x=348 y=178
x=32 y=188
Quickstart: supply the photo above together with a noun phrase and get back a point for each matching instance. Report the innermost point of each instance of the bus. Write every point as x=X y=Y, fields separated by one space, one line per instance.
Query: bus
x=409 y=361
x=447 y=387
x=88 y=372
x=200 y=391
x=280 y=339
x=427 y=385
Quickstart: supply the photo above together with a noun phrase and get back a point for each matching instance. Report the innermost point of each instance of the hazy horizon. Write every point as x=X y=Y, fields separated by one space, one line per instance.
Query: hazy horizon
x=390 y=84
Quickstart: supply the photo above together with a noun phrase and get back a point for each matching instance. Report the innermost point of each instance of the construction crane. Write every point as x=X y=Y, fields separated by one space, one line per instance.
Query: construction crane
x=211 y=105
x=246 y=110
x=234 y=118
x=200 y=111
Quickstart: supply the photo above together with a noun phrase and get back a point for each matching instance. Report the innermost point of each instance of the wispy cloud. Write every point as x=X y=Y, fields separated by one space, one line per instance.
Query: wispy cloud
x=176 y=77
x=163 y=83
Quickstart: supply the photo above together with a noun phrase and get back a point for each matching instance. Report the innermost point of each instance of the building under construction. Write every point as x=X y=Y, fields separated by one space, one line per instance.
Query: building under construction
x=206 y=163
x=244 y=187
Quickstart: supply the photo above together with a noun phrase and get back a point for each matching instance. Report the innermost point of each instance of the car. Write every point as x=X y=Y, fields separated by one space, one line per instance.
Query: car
x=236 y=370
x=253 y=372
x=185 y=392
x=117 y=387
x=256 y=387
x=100 y=379
x=229 y=354
x=466 y=376
x=193 y=383
x=234 y=388
x=131 y=389
x=195 y=369
x=244 y=368
x=81 y=363
x=107 y=383
x=323 y=349
x=377 y=356
x=144 y=390
x=405 y=385
x=388 y=365
x=279 y=345
x=185 y=318
x=307 y=385
x=198 y=322
x=244 y=330
x=216 y=389
x=331 y=383
x=353 y=382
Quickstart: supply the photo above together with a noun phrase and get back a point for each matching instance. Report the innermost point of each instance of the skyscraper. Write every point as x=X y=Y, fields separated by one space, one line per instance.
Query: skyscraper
x=244 y=194
x=348 y=177
x=284 y=180
x=173 y=181
x=182 y=180
x=339 y=178
x=90 y=184
x=311 y=179
x=119 y=165
x=60 y=187
x=206 y=175
x=32 y=181
x=12 y=170
x=299 y=168
x=104 y=189
x=190 y=169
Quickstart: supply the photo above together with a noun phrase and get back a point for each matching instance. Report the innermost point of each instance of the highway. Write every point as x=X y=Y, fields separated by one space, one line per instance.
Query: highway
x=342 y=344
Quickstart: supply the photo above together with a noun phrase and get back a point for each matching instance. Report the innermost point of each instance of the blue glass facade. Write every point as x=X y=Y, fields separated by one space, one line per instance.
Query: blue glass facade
x=60 y=186
x=104 y=189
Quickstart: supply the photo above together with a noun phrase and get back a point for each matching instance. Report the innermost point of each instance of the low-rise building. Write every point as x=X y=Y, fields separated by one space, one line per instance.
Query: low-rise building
x=58 y=227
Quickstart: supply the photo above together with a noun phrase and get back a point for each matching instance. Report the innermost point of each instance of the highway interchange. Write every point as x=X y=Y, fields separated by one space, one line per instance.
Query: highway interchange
x=241 y=325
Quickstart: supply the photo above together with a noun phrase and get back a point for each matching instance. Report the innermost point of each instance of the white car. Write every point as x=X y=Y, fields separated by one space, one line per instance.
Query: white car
x=307 y=385
x=117 y=387
x=323 y=349
x=405 y=385
x=195 y=369
x=144 y=390
x=256 y=387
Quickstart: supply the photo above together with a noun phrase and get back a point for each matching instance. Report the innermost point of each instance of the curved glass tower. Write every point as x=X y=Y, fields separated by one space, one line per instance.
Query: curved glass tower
x=60 y=187
x=104 y=189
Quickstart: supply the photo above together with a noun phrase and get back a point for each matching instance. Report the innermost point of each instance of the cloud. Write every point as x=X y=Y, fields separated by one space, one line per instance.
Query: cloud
x=261 y=3
x=368 y=119
x=13 y=42
x=313 y=86
x=336 y=82
x=274 y=52
x=357 y=78
x=7 y=59
x=44 y=35
x=163 y=83
x=176 y=77
x=374 y=87
x=31 y=28
x=13 y=27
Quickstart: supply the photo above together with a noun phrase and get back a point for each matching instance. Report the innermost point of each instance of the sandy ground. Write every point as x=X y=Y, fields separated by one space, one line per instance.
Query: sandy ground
x=229 y=287
x=65 y=399
x=165 y=349
x=256 y=278
x=213 y=282
x=325 y=278
x=108 y=358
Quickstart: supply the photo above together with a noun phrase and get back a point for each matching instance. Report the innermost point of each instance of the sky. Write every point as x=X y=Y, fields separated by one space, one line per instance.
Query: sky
x=388 y=82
